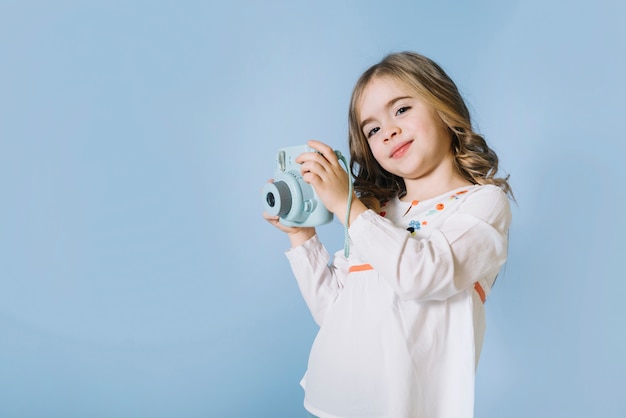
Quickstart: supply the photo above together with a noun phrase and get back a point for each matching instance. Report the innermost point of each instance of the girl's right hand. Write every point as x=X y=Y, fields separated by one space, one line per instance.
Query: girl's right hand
x=297 y=235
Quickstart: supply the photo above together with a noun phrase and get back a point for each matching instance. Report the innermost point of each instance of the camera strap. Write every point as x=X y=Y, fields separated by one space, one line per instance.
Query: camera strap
x=346 y=238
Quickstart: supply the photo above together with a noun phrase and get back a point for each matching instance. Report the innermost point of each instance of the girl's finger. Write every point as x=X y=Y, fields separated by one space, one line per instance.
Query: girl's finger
x=311 y=157
x=322 y=148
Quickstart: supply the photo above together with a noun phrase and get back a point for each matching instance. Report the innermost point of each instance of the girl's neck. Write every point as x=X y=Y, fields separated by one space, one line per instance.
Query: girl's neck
x=424 y=189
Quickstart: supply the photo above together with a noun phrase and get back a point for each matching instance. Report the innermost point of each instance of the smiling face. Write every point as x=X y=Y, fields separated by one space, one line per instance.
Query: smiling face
x=405 y=134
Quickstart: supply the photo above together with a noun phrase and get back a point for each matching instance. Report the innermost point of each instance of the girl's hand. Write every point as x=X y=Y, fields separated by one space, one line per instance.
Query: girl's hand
x=324 y=172
x=297 y=235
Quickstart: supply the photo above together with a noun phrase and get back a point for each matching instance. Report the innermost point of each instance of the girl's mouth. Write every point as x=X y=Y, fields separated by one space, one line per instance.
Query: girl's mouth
x=399 y=150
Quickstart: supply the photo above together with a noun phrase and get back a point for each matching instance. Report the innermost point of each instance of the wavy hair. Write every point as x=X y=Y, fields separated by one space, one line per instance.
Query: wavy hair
x=473 y=158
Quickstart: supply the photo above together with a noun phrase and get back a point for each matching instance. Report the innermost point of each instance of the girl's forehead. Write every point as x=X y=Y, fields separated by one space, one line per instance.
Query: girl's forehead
x=381 y=89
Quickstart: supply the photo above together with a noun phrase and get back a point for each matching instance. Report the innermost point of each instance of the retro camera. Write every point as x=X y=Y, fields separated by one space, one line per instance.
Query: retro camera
x=289 y=197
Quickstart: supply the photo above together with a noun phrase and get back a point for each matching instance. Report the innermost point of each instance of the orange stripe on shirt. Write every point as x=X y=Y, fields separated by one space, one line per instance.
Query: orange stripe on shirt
x=480 y=291
x=360 y=267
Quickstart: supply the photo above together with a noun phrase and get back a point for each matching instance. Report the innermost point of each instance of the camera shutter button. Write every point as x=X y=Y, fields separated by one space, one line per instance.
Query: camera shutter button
x=309 y=205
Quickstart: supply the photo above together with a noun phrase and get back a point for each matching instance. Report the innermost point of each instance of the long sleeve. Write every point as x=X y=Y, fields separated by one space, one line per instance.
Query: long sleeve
x=319 y=282
x=469 y=246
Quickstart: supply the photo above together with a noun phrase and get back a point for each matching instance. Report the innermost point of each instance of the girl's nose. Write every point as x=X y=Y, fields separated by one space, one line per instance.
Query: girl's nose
x=391 y=132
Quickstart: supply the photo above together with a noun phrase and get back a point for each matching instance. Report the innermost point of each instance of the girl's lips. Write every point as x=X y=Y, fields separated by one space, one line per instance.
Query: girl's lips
x=399 y=150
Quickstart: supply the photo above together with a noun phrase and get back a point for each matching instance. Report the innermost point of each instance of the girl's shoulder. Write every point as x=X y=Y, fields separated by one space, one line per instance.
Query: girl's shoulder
x=488 y=195
x=489 y=203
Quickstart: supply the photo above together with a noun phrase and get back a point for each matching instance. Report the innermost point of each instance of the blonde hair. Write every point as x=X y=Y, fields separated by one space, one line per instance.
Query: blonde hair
x=473 y=158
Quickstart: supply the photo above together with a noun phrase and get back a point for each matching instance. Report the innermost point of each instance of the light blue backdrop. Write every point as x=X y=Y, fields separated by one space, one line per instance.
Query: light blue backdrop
x=137 y=277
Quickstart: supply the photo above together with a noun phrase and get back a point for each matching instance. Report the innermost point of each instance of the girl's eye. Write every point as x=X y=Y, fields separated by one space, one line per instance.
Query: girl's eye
x=402 y=110
x=372 y=132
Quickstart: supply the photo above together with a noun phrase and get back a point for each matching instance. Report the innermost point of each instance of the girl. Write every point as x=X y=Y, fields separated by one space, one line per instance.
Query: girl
x=402 y=318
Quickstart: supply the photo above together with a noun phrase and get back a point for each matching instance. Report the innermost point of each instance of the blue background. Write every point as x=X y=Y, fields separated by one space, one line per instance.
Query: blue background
x=137 y=276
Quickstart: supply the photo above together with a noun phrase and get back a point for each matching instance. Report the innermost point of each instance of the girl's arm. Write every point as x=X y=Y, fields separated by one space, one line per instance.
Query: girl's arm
x=319 y=282
x=470 y=246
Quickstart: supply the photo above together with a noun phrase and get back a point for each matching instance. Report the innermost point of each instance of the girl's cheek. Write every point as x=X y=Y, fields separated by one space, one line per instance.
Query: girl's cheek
x=376 y=152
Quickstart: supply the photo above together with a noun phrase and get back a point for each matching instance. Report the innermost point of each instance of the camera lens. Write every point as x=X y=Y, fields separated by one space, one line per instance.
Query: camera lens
x=271 y=200
x=276 y=198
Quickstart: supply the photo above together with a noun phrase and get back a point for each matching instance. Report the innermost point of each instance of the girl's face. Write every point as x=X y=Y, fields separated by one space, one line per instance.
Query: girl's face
x=406 y=136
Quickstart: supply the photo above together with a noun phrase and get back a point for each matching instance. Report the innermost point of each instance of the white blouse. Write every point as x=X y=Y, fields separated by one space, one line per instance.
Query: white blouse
x=401 y=319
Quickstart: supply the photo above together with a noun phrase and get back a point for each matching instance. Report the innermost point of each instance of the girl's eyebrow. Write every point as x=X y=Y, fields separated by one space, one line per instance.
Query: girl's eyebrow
x=389 y=104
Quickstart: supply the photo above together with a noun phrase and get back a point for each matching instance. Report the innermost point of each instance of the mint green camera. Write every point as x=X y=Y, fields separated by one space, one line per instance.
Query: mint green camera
x=289 y=197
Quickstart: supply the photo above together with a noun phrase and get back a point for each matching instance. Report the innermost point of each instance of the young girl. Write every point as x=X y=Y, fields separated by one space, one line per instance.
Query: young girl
x=402 y=318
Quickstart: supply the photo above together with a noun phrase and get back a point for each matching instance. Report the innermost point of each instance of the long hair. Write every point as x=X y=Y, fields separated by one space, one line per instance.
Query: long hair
x=473 y=158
